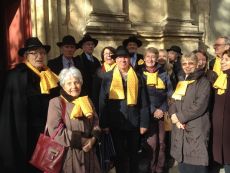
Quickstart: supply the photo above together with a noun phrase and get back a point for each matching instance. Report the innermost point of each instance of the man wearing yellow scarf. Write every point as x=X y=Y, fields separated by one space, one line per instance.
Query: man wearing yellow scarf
x=124 y=111
x=220 y=116
x=28 y=89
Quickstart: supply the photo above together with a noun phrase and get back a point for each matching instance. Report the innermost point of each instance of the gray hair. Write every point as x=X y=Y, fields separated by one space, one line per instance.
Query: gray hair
x=191 y=56
x=226 y=39
x=66 y=73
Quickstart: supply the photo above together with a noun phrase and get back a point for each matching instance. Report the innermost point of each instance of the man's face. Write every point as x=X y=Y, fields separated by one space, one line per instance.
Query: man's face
x=132 y=47
x=88 y=47
x=68 y=50
x=36 y=57
x=172 y=56
x=123 y=63
x=220 y=46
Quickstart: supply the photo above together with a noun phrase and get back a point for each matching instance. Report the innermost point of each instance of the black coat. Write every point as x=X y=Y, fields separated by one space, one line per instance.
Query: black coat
x=22 y=118
x=137 y=66
x=56 y=64
x=88 y=72
x=117 y=114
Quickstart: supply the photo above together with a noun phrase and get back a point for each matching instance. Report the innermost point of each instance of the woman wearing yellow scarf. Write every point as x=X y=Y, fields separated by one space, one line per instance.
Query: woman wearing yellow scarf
x=108 y=64
x=124 y=111
x=190 y=117
x=220 y=117
x=81 y=124
x=28 y=89
x=159 y=89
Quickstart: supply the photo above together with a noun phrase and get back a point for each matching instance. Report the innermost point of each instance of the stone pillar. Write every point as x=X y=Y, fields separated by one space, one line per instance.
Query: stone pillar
x=109 y=18
x=179 y=27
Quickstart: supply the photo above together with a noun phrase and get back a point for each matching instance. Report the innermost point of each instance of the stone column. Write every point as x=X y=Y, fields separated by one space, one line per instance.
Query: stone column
x=109 y=18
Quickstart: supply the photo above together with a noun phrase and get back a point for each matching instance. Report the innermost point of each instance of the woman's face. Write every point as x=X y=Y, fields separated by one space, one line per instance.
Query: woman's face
x=163 y=56
x=72 y=86
x=189 y=66
x=202 y=61
x=107 y=57
x=150 y=59
x=225 y=62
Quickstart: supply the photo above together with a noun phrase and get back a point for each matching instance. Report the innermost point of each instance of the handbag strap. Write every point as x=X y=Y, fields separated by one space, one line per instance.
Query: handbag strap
x=62 y=122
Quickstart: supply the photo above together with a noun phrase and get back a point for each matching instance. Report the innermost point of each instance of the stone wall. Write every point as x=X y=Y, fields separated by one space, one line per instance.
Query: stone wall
x=187 y=23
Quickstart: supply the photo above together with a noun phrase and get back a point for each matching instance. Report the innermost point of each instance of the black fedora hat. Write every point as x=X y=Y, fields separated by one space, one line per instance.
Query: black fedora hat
x=68 y=40
x=86 y=38
x=30 y=43
x=120 y=51
x=132 y=39
x=175 y=49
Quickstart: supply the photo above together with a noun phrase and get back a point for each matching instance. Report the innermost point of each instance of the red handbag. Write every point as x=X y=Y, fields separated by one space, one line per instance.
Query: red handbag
x=48 y=154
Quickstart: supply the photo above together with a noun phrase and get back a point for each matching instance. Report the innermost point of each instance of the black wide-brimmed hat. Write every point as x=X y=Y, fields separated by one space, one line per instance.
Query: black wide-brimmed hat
x=121 y=51
x=132 y=39
x=30 y=43
x=86 y=38
x=68 y=40
x=175 y=49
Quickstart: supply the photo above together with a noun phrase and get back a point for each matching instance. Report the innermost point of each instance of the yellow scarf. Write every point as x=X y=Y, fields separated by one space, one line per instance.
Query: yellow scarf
x=109 y=67
x=48 y=79
x=81 y=107
x=221 y=83
x=154 y=80
x=117 y=90
x=181 y=89
x=217 y=66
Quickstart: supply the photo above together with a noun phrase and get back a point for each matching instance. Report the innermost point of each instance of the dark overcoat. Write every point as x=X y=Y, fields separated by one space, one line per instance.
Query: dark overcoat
x=88 y=72
x=117 y=114
x=22 y=118
x=220 y=123
x=56 y=64
x=191 y=145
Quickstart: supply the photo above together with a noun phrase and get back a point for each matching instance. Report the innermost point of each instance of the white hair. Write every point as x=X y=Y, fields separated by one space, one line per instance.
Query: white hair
x=66 y=73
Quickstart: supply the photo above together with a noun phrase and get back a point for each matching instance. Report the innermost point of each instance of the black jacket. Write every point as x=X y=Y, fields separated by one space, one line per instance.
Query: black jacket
x=22 y=118
x=117 y=114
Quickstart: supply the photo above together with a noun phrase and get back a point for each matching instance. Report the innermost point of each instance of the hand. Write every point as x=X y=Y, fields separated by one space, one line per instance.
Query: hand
x=89 y=144
x=180 y=126
x=174 y=119
x=143 y=130
x=158 y=113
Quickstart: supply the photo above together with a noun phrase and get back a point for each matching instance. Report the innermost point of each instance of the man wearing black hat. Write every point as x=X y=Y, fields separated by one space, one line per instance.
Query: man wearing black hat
x=68 y=46
x=132 y=44
x=28 y=89
x=124 y=110
x=90 y=63
x=174 y=56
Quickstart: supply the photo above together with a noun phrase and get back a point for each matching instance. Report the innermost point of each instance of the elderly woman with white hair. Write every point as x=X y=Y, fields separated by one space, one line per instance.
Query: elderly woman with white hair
x=81 y=124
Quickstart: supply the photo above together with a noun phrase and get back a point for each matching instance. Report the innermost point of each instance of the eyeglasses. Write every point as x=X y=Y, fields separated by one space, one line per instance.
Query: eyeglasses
x=108 y=54
x=218 y=45
x=36 y=53
x=188 y=63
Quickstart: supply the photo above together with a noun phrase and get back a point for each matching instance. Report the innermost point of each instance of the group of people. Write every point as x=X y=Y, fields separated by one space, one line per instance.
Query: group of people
x=126 y=95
